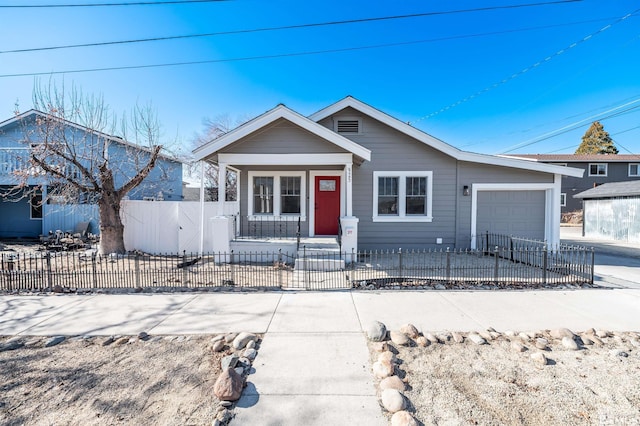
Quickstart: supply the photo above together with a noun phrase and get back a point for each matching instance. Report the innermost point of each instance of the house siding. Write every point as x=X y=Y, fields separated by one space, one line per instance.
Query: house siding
x=282 y=137
x=394 y=151
x=616 y=172
x=473 y=173
x=15 y=219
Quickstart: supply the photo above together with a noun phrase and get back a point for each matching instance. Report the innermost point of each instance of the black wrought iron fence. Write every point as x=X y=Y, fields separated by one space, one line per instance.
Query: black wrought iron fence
x=314 y=270
x=266 y=227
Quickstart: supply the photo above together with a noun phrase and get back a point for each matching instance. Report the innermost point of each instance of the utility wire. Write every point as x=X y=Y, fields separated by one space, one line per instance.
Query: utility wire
x=282 y=55
x=287 y=27
x=529 y=68
x=136 y=3
x=577 y=124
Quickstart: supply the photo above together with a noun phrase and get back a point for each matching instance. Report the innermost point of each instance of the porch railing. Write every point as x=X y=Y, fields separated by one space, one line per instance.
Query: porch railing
x=267 y=227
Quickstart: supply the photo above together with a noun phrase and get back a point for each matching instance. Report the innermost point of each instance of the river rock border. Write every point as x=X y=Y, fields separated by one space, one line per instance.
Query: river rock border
x=392 y=381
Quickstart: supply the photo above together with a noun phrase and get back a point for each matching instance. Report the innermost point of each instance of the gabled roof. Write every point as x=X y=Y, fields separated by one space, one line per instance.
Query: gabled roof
x=34 y=112
x=612 y=189
x=271 y=116
x=441 y=146
x=580 y=158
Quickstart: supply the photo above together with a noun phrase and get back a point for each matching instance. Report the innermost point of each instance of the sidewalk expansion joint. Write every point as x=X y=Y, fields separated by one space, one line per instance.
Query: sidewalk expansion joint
x=176 y=310
x=62 y=310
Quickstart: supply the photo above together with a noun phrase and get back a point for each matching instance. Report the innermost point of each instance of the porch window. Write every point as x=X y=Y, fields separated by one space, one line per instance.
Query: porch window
x=290 y=194
x=274 y=194
x=402 y=196
x=263 y=195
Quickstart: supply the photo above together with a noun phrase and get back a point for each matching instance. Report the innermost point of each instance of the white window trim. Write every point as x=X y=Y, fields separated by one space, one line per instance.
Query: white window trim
x=563 y=199
x=637 y=169
x=347 y=118
x=606 y=169
x=402 y=196
x=277 y=215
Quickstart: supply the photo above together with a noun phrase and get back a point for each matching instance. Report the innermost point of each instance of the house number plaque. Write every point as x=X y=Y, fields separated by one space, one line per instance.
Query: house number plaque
x=327 y=185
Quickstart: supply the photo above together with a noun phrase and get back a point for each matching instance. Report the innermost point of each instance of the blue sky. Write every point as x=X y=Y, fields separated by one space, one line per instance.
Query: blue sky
x=428 y=64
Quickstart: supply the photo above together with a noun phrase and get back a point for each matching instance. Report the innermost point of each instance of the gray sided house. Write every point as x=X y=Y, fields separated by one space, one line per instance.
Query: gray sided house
x=612 y=211
x=29 y=217
x=381 y=182
x=598 y=169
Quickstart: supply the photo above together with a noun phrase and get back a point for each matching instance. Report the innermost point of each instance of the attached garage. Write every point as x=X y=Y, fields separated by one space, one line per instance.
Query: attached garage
x=520 y=213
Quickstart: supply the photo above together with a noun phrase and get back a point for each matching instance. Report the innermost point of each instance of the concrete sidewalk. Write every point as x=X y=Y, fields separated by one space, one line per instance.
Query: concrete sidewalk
x=312 y=366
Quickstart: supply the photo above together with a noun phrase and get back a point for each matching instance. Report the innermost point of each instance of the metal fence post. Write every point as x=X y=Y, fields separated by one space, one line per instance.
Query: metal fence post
x=280 y=266
x=545 y=260
x=49 y=277
x=94 y=272
x=137 y=264
x=496 y=253
x=448 y=265
x=231 y=266
x=184 y=269
x=400 y=264
x=593 y=262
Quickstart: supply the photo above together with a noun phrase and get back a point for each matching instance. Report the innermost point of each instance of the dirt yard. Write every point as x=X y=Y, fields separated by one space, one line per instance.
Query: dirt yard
x=464 y=383
x=161 y=381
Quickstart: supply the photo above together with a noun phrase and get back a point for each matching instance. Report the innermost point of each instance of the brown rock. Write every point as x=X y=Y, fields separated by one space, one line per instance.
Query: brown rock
x=399 y=338
x=422 y=341
x=410 y=330
x=380 y=346
x=218 y=346
x=228 y=386
x=457 y=337
x=392 y=382
x=387 y=356
x=382 y=369
x=403 y=418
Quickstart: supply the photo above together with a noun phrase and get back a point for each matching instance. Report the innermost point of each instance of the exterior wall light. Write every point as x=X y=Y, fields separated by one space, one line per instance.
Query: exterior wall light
x=465 y=191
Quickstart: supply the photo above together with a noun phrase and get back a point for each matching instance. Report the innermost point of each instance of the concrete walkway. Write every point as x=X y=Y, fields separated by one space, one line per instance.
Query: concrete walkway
x=312 y=367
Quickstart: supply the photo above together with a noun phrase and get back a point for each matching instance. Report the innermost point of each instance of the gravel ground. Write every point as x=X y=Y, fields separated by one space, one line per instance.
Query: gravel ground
x=493 y=384
x=161 y=381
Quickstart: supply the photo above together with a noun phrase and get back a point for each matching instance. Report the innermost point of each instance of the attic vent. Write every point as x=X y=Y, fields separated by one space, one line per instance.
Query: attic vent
x=348 y=126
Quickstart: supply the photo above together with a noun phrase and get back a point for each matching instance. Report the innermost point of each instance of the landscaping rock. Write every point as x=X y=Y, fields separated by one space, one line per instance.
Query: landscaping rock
x=432 y=338
x=382 y=369
x=228 y=386
x=392 y=400
x=569 y=343
x=109 y=340
x=392 y=382
x=242 y=339
x=403 y=418
x=218 y=346
x=217 y=338
x=586 y=340
x=143 y=335
x=603 y=334
x=410 y=330
x=422 y=341
x=399 y=338
x=477 y=339
x=250 y=354
x=618 y=353
x=539 y=358
x=596 y=340
x=387 y=356
x=377 y=331
x=228 y=338
x=11 y=345
x=229 y=361
x=56 y=340
x=517 y=346
x=457 y=337
x=541 y=343
x=251 y=344
x=559 y=333
x=380 y=346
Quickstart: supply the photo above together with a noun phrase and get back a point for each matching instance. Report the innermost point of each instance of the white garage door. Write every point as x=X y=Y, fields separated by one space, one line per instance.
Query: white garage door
x=517 y=213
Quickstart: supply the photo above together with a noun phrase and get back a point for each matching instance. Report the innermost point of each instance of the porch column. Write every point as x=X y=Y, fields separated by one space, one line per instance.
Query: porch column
x=348 y=169
x=202 y=166
x=222 y=186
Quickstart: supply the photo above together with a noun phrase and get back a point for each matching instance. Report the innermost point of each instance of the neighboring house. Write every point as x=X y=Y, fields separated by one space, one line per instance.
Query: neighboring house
x=22 y=217
x=598 y=169
x=612 y=211
x=386 y=183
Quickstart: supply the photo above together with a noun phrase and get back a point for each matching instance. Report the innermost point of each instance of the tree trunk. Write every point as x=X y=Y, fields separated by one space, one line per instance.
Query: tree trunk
x=111 y=227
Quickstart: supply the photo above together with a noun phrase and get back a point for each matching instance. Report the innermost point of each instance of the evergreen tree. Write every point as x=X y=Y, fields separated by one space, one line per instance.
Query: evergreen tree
x=596 y=140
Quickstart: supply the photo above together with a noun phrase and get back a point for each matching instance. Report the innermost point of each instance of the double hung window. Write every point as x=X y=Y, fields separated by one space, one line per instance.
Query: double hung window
x=402 y=196
x=277 y=193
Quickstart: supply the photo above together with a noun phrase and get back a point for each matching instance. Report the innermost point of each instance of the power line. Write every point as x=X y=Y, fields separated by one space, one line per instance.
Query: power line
x=529 y=68
x=287 y=27
x=577 y=124
x=275 y=56
x=137 y=3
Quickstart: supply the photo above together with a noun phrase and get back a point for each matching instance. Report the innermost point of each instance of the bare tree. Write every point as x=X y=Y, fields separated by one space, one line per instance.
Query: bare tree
x=71 y=145
x=214 y=128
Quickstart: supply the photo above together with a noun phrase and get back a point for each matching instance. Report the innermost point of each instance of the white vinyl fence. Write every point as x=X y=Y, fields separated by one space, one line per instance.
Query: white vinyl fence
x=169 y=226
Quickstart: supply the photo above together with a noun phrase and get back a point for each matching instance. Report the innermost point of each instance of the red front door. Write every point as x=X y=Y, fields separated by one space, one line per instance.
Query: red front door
x=327 y=205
